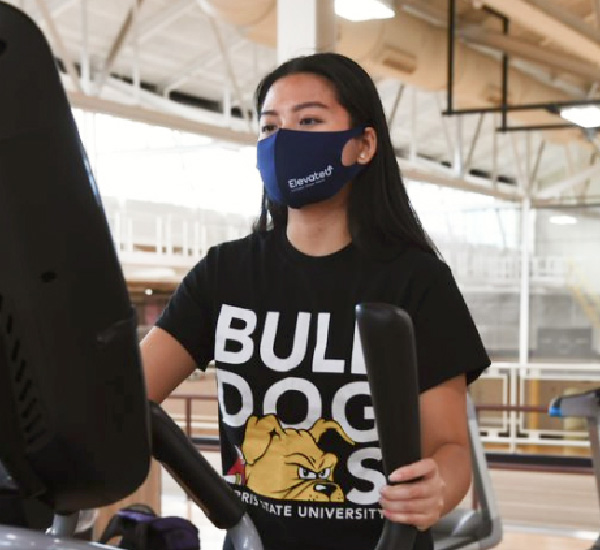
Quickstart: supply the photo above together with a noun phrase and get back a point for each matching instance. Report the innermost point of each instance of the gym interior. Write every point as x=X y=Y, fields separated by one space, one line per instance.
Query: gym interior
x=493 y=108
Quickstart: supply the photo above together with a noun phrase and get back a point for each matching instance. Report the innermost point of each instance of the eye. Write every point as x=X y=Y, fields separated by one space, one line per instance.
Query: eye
x=268 y=128
x=305 y=473
x=310 y=121
x=325 y=473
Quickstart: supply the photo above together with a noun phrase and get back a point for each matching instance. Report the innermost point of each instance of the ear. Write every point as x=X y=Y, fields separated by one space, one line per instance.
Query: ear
x=258 y=436
x=321 y=426
x=368 y=145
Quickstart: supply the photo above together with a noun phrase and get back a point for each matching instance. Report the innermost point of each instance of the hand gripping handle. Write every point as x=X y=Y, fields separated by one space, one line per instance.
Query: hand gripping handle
x=387 y=339
x=191 y=470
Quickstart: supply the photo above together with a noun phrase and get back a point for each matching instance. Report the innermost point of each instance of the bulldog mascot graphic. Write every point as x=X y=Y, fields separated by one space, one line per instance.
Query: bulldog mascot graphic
x=285 y=463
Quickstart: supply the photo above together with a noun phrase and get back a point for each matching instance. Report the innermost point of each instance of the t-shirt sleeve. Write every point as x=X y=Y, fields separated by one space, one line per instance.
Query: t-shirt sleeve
x=447 y=341
x=188 y=316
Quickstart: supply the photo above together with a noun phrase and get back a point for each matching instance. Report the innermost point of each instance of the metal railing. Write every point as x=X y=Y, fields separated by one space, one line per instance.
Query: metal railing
x=513 y=424
x=521 y=388
x=178 y=237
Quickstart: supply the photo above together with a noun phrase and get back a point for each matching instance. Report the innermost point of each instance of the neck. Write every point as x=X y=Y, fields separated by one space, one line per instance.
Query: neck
x=320 y=229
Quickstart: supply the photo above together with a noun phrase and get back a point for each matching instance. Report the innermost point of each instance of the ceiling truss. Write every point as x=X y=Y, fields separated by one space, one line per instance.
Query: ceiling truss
x=120 y=69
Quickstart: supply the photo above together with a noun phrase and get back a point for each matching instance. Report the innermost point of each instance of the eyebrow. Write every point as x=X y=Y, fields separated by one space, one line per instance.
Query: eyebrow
x=299 y=107
x=308 y=458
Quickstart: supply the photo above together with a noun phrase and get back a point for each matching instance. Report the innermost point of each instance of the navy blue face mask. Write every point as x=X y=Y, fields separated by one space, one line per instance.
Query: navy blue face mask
x=300 y=167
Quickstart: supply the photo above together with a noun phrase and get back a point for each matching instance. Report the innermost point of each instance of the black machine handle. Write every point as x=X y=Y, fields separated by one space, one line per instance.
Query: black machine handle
x=387 y=338
x=193 y=473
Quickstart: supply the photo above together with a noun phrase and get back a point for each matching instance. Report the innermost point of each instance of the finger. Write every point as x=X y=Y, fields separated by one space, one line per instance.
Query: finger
x=410 y=491
x=423 y=468
x=419 y=506
x=426 y=487
x=420 y=521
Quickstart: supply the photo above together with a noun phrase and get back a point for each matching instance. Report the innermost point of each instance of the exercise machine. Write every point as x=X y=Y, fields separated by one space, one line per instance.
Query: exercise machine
x=583 y=405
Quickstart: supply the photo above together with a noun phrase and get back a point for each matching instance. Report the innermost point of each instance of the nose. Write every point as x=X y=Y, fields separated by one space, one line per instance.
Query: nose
x=326 y=488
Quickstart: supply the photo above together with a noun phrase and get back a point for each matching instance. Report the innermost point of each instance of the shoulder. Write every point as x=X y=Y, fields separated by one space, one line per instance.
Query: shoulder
x=226 y=260
x=426 y=262
x=255 y=244
x=422 y=268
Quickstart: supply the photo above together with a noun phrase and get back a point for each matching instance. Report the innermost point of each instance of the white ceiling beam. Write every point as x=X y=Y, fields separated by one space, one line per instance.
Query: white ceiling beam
x=153 y=24
x=414 y=136
x=198 y=65
x=522 y=177
x=117 y=46
x=135 y=43
x=191 y=69
x=155 y=117
x=84 y=49
x=450 y=145
x=570 y=163
x=558 y=188
x=555 y=23
x=494 y=174
x=526 y=50
x=229 y=70
x=59 y=45
x=585 y=187
x=226 y=59
x=421 y=9
x=394 y=109
x=459 y=159
x=56 y=7
x=127 y=93
x=596 y=12
x=474 y=141
x=533 y=176
x=412 y=171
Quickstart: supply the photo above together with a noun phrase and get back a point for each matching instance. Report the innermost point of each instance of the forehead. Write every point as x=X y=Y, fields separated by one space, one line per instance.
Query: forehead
x=300 y=88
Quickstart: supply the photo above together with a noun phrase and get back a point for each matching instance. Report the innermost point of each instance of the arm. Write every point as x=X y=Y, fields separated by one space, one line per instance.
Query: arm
x=446 y=468
x=166 y=363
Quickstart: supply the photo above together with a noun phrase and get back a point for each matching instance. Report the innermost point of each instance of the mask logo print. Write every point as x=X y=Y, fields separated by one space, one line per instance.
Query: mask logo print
x=312 y=179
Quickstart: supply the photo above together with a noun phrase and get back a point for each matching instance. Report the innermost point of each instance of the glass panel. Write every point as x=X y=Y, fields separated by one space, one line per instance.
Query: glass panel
x=133 y=161
x=565 y=286
x=479 y=237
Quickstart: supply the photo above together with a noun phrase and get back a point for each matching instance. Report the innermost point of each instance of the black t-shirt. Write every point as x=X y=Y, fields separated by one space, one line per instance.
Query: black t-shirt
x=298 y=439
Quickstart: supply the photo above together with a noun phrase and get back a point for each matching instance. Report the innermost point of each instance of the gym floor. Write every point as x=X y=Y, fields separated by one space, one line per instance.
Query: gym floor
x=545 y=511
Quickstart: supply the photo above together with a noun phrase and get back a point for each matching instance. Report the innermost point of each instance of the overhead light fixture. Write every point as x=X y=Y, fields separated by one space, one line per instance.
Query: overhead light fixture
x=362 y=10
x=563 y=220
x=586 y=116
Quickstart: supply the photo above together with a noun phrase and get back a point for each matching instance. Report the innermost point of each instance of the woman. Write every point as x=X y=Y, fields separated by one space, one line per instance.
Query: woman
x=275 y=311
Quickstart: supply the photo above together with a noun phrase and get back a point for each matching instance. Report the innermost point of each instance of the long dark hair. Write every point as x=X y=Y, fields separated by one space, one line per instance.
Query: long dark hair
x=380 y=214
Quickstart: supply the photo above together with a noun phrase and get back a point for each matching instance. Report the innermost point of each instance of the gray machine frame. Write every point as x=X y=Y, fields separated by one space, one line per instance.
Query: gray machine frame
x=480 y=527
x=584 y=405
